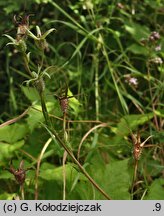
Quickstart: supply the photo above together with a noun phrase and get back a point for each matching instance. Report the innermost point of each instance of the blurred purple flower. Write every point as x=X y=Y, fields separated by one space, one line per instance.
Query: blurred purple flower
x=154 y=36
x=158 y=48
x=132 y=81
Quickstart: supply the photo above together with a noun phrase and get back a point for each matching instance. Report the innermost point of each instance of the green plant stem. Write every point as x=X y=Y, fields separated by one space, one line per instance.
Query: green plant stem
x=64 y=127
x=26 y=64
x=134 y=177
x=54 y=135
x=96 y=88
x=152 y=99
x=64 y=174
x=44 y=110
x=111 y=70
x=64 y=155
x=22 y=191
x=38 y=166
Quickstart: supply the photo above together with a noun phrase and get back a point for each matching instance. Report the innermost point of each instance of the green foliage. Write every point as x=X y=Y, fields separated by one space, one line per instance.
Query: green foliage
x=132 y=121
x=115 y=175
x=8 y=149
x=13 y=133
x=110 y=56
x=155 y=190
x=30 y=93
x=48 y=172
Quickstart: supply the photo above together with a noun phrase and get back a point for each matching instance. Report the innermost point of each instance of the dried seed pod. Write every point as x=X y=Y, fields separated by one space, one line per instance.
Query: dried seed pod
x=137 y=151
x=64 y=100
x=137 y=148
x=20 y=173
x=22 y=24
x=20 y=176
x=64 y=103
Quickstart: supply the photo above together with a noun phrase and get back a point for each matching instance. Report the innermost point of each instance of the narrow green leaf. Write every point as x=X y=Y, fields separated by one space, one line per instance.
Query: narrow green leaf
x=47 y=33
x=10 y=38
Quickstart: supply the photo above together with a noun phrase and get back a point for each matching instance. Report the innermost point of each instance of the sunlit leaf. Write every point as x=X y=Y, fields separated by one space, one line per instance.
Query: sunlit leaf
x=13 y=133
x=8 y=150
x=56 y=173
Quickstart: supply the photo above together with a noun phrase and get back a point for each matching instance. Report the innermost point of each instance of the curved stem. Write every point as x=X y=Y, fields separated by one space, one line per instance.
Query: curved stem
x=26 y=64
x=38 y=166
x=22 y=191
x=134 y=177
x=44 y=110
x=55 y=136
x=64 y=174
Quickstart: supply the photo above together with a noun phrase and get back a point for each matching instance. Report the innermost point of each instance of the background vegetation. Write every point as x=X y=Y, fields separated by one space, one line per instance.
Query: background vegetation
x=110 y=56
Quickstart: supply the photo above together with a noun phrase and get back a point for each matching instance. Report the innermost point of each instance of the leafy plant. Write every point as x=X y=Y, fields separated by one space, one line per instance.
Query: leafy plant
x=103 y=65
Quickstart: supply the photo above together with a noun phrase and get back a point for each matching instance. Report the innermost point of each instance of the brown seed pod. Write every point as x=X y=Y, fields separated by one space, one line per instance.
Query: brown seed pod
x=137 y=149
x=20 y=173
x=138 y=146
x=22 y=24
x=64 y=103
x=64 y=100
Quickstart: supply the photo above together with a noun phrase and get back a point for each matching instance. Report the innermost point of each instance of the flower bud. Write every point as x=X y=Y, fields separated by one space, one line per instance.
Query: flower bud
x=23 y=25
x=40 y=85
x=154 y=36
x=21 y=46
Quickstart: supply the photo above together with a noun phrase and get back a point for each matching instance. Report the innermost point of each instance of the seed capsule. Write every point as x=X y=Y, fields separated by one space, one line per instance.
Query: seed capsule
x=20 y=173
x=64 y=103
x=137 y=149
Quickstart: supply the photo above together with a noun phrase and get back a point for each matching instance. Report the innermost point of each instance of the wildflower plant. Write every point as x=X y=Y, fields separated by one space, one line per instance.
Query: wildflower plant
x=37 y=81
x=111 y=55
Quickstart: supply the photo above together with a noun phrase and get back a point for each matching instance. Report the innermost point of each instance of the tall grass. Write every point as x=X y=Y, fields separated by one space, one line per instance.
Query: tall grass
x=111 y=57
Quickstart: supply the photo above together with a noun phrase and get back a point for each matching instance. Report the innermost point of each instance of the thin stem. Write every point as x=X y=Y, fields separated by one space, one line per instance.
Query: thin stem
x=22 y=191
x=151 y=95
x=111 y=69
x=26 y=64
x=134 y=177
x=72 y=121
x=38 y=166
x=11 y=121
x=64 y=174
x=55 y=135
x=96 y=89
x=86 y=135
x=64 y=156
x=64 y=127
x=44 y=110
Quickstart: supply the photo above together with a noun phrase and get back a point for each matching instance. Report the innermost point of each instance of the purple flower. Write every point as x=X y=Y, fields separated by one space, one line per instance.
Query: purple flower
x=132 y=81
x=154 y=36
x=158 y=48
